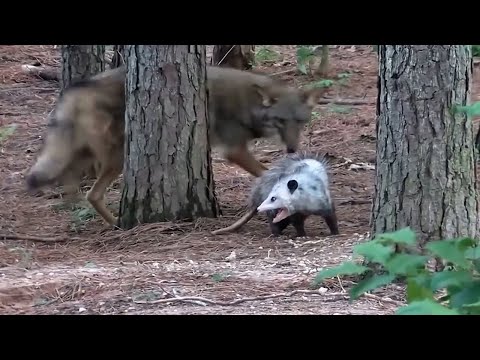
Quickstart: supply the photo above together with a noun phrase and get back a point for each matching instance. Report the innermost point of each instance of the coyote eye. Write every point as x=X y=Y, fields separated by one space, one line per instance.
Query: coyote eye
x=273 y=199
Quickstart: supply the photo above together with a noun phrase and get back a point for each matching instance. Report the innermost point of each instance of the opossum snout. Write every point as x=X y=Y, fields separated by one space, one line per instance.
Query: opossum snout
x=32 y=182
x=35 y=181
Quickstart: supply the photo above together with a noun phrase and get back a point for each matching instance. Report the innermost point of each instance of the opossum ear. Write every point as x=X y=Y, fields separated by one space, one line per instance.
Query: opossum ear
x=292 y=186
x=311 y=96
x=267 y=100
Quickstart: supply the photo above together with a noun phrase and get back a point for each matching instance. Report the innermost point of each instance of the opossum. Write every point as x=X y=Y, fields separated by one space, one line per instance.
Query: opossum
x=294 y=188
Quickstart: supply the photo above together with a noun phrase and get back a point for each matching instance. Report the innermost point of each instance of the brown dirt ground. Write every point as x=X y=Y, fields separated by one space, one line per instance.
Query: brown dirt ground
x=103 y=271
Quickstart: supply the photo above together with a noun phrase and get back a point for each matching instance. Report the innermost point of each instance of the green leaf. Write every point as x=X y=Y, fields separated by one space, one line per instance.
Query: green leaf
x=347 y=268
x=476 y=265
x=464 y=243
x=405 y=264
x=344 y=75
x=371 y=283
x=6 y=131
x=303 y=53
x=473 y=308
x=404 y=236
x=424 y=279
x=446 y=279
x=472 y=253
x=448 y=250
x=374 y=251
x=470 y=293
x=416 y=292
x=425 y=307
x=302 y=68
x=470 y=110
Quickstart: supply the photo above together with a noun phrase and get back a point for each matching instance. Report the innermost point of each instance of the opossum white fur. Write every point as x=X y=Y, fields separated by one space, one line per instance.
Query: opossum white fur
x=298 y=184
x=303 y=189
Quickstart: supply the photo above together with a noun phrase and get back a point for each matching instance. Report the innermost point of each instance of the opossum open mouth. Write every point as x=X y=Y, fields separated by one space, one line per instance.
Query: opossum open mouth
x=282 y=214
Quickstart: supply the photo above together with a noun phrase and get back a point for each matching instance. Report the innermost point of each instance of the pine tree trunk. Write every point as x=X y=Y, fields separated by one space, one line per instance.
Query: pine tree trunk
x=80 y=62
x=118 y=56
x=235 y=56
x=168 y=171
x=425 y=171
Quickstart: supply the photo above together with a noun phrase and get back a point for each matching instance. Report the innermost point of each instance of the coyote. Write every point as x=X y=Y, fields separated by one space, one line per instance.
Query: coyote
x=86 y=126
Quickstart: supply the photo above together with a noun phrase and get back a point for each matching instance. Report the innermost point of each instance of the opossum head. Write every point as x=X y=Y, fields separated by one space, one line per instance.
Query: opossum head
x=302 y=192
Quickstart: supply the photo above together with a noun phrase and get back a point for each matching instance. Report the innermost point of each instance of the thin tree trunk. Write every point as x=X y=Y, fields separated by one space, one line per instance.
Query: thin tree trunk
x=168 y=170
x=323 y=68
x=80 y=62
x=425 y=171
x=118 y=56
x=235 y=56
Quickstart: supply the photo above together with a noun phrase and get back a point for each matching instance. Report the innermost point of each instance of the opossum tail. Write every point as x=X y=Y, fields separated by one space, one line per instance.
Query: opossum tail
x=238 y=224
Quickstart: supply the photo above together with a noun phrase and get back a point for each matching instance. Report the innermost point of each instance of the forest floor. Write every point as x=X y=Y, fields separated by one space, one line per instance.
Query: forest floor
x=179 y=268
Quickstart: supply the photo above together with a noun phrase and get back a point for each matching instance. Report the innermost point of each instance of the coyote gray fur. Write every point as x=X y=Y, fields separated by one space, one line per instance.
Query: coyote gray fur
x=294 y=188
x=87 y=126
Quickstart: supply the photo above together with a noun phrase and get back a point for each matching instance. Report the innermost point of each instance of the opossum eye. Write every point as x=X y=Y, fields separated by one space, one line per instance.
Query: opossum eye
x=273 y=198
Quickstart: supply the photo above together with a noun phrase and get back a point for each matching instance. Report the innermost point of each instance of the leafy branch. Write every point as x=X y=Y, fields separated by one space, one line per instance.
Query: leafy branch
x=393 y=253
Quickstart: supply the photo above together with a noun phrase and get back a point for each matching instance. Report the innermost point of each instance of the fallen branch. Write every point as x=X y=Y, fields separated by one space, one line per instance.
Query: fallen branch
x=354 y=202
x=285 y=72
x=42 y=72
x=350 y=102
x=342 y=295
x=32 y=238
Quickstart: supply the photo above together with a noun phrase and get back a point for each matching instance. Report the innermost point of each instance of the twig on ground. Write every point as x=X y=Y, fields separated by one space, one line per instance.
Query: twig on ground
x=285 y=72
x=383 y=299
x=340 y=295
x=33 y=238
x=350 y=102
x=354 y=202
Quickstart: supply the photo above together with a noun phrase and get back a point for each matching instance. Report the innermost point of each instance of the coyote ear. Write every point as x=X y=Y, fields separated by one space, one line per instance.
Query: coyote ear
x=267 y=100
x=311 y=96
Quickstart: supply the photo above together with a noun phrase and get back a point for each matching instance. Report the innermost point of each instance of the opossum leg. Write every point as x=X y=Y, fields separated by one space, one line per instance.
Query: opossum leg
x=298 y=222
x=332 y=221
x=96 y=194
x=242 y=157
x=277 y=228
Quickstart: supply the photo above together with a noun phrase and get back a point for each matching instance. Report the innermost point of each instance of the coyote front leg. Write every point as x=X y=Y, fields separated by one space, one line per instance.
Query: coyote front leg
x=96 y=195
x=242 y=157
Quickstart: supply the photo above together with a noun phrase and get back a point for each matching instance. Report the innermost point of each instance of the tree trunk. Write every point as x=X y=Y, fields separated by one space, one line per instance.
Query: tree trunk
x=425 y=171
x=323 y=68
x=80 y=62
x=168 y=170
x=118 y=56
x=235 y=56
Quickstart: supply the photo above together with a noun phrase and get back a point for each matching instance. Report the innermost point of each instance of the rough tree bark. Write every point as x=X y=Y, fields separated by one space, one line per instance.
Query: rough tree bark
x=425 y=171
x=235 y=56
x=118 y=56
x=81 y=61
x=168 y=171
